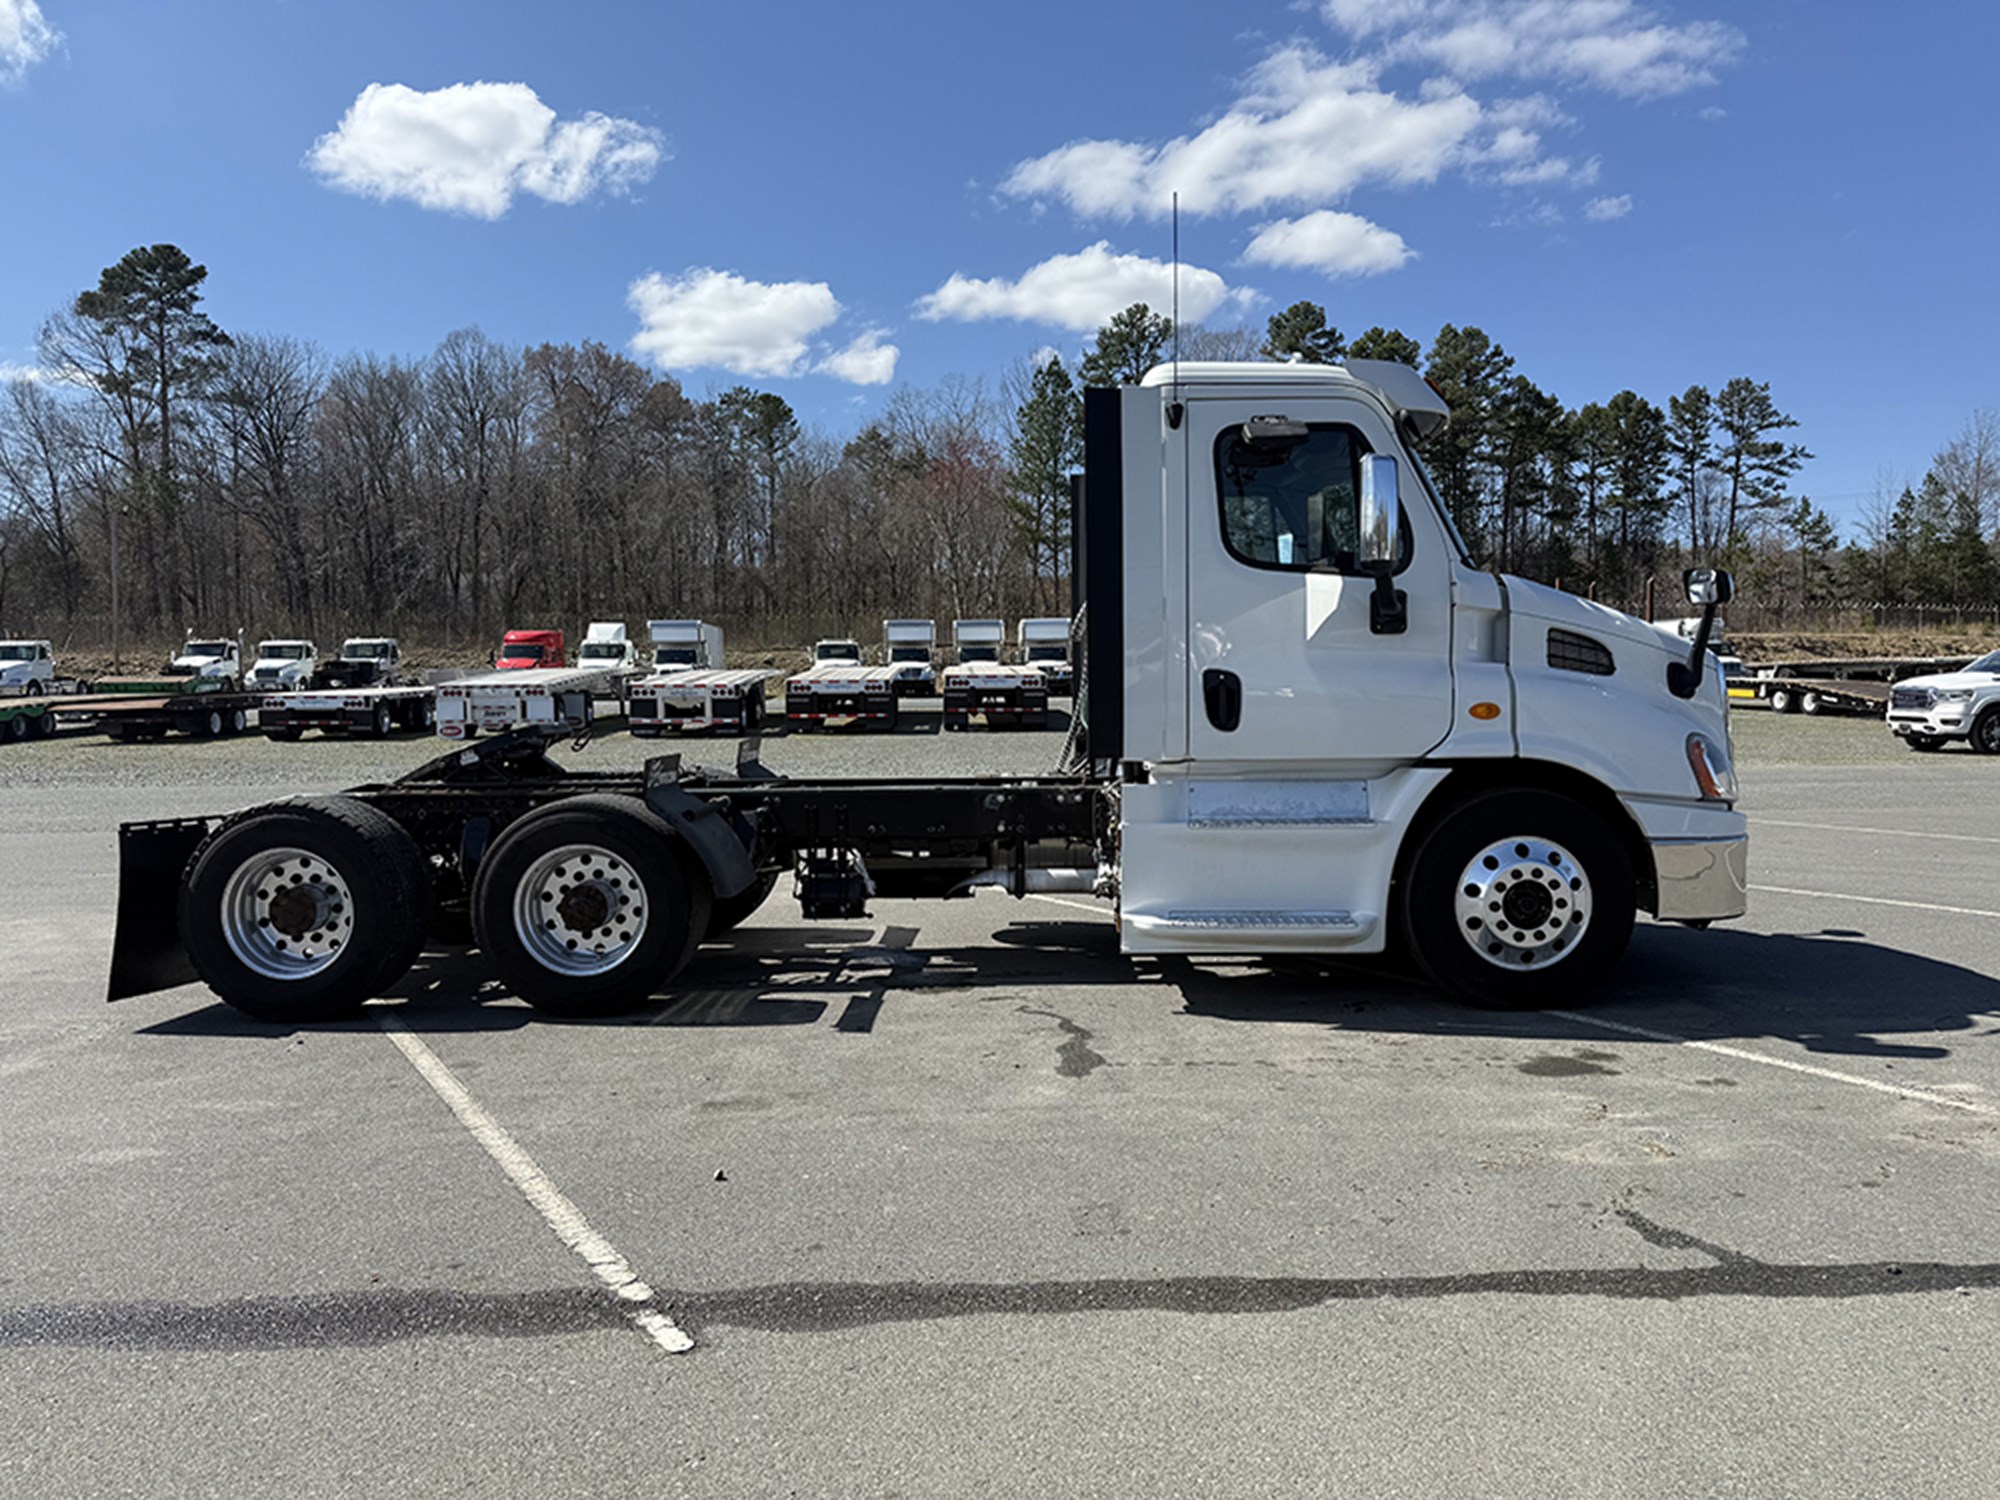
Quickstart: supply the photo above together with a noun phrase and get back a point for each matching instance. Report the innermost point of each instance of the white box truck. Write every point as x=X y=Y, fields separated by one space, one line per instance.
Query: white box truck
x=910 y=646
x=1043 y=643
x=979 y=686
x=691 y=691
x=1314 y=725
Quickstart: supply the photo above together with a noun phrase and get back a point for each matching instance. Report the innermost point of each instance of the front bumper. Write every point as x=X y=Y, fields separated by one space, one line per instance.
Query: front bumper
x=1948 y=721
x=1701 y=879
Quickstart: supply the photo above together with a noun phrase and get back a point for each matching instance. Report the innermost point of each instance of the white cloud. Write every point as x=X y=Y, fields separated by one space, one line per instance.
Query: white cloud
x=1081 y=291
x=25 y=38
x=1616 y=45
x=1307 y=131
x=10 y=372
x=1604 y=210
x=470 y=147
x=865 y=361
x=1334 y=243
x=720 y=320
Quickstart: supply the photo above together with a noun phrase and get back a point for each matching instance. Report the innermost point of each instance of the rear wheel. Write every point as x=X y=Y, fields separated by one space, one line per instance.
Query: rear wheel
x=16 y=728
x=1519 y=899
x=1986 y=732
x=384 y=721
x=304 y=910
x=586 y=907
x=1811 y=702
x=1782 y=700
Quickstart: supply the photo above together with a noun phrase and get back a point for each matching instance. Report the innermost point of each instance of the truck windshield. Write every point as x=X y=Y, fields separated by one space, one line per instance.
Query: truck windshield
x=602 y=651
x=1990 y=662
x=837 y=651
x=979 y=653
x=205 y=648
x=282 y=651
x=17 y=653
x=365 y=650
x=518 y=651
x=909 y=653
x=674 y=656
x=1048 y=653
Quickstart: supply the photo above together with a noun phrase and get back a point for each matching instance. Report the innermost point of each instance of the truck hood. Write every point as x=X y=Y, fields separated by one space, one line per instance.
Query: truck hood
x=18 y=671
x=1945 y=682
x=1554 y=607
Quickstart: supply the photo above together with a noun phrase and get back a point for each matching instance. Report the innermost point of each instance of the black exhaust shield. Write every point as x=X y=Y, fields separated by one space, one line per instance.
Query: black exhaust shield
x=146 y=954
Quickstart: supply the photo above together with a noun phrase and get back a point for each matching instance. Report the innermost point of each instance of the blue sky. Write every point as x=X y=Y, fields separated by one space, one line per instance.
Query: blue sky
x=829 y=202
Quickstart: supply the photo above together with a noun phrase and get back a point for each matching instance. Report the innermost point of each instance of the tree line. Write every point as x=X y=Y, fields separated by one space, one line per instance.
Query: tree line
x=211 y=480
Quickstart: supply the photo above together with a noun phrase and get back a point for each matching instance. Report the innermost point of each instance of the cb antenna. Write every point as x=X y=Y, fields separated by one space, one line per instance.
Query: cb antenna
x=1174 y=407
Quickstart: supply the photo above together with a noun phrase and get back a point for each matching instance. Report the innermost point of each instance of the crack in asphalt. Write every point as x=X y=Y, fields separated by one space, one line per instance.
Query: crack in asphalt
x=347 y=1319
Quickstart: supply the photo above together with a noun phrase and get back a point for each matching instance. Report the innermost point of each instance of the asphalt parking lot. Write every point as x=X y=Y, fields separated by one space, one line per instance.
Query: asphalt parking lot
x=957 y=1200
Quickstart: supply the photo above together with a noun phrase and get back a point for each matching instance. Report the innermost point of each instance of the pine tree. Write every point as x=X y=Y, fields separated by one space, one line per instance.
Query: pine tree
x=1127 y=347
x=1302 y=330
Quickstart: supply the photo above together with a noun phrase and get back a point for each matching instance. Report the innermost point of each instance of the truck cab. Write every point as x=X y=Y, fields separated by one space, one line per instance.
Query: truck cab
x=910 y=647
x=27 y=668
x=978 y=640
x=522 y=650
x=679 y=644
x=1043 y=644
x=836 y=651
x=207 y=657
x=1381 y=742
x=605 y=645
x=282 y=664
x=364 y=661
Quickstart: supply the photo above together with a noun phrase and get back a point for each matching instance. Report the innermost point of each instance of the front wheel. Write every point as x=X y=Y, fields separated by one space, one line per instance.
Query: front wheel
x=1518 y=899
x=304 y=910
x=585 y=907
x=1986 y=732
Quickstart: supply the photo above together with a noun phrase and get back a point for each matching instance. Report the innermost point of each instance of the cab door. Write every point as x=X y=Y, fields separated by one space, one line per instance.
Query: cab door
x=1290 y=659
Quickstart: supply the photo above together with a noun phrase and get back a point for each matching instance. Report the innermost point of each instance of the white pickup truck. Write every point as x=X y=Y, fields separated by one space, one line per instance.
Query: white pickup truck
x=1924 y=712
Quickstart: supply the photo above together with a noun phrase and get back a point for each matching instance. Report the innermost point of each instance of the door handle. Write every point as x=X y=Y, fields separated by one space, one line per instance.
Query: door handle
x=1222 y=696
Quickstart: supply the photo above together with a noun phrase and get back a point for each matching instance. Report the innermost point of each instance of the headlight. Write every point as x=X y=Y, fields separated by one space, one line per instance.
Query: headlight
x=1713 y=774
x=1955 y=695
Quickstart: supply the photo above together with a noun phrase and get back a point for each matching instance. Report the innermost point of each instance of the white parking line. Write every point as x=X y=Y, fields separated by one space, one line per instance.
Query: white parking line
x=1744 y=1054
x=1908 y=833
x=1097 y=906
x=563 y=1216
x=1956 y=911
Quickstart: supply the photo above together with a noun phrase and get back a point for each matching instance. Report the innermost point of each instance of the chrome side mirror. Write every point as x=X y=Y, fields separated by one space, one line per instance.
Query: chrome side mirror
x=1706 y=586
x=1381 y=521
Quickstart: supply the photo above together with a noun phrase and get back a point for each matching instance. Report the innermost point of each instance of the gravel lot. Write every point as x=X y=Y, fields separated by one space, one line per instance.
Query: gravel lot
x=956 y=1200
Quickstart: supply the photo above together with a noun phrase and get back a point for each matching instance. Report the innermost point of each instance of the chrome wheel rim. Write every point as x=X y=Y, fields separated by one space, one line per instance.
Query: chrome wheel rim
x=580 y=910
x=1523 y=903
x=287 y=914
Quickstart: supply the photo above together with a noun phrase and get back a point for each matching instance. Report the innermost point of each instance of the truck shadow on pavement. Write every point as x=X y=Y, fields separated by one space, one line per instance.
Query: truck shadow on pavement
x=1831 y=992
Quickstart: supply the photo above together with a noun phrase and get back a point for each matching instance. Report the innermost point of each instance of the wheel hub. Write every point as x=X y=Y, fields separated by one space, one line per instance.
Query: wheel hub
x=287 y=913
x=580 y=910
x=1523 y=903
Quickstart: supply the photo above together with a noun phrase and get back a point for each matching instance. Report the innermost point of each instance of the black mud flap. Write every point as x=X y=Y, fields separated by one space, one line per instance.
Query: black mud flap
x=709 y=834
x=146 y=954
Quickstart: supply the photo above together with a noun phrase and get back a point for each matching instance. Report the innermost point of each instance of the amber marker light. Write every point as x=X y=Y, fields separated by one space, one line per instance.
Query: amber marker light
x=1485 y=710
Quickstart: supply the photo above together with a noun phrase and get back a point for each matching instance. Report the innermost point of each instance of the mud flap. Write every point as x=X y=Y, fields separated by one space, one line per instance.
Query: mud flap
x=146 y=954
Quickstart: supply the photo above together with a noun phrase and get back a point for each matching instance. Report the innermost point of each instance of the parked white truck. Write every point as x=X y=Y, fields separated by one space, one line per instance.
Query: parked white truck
x=208 y=658
x=695 y=692
x=910 y=646
x=839 y=688
x=1313 y=725
x=283 y=664
x=1926 y=712
x=28 y=670
x=607 y=647
x=1043 y=644
x=361 y=691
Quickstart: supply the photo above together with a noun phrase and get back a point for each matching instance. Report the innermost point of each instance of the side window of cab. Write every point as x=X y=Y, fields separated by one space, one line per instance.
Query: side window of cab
x=1290 y=495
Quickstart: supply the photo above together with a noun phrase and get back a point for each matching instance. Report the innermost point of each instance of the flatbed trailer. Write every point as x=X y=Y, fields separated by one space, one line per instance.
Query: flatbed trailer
x=1859 y=684
x=504 y=699
x=377 y=711
x=842 y=692
x=134 y=714
x=698 y=699
x=998 y=695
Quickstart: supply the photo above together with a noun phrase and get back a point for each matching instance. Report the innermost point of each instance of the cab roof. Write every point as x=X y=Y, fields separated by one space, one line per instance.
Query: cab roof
x=1405 y=391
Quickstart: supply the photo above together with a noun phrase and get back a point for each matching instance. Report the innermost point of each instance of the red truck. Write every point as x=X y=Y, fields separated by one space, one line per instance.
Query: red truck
x=530 y=648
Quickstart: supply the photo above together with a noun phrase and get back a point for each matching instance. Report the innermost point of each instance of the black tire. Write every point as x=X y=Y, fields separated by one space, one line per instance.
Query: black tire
x=43 y=725
x=15 y=729
x=237 y=721
x=349 y=848
x=35 y=688
x=629 y=878
x=1523 y=958
x=1923 y=741
x=384 y=721
x=728 y=912
x=1783 y=700
x=1985 y=734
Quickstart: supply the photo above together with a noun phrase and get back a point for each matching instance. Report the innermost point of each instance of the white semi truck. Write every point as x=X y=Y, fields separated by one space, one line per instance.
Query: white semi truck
x=691 y=691
x=978 y=685
x=1928 y=712
x=282 y=665
x=607 y=648
x=910 y=646
x=28 y=670
x=840 y=688
x=1043 y=643
x=1313 y=725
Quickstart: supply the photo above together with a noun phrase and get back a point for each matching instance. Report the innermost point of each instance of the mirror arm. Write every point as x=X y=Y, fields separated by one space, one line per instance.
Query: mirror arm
x=1388 y=606
x=1684 y=677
